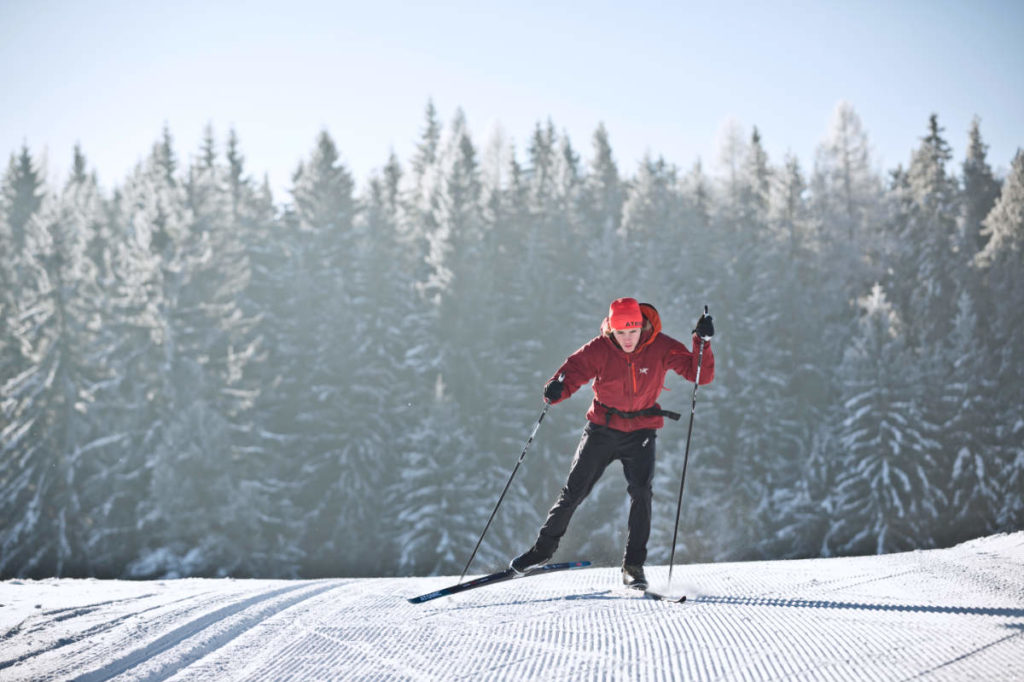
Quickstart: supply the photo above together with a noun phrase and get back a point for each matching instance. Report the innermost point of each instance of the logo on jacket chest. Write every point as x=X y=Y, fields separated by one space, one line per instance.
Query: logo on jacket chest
x=642 y=370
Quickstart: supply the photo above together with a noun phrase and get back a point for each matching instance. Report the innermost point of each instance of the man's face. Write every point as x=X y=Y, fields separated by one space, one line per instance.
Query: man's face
x=627 y=338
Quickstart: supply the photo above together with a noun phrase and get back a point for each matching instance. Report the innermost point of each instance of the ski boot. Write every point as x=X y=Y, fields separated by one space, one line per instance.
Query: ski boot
x=633 y=576
x=530 y=559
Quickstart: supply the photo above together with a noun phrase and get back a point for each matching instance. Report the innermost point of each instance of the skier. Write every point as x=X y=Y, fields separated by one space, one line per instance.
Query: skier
x=628 y=362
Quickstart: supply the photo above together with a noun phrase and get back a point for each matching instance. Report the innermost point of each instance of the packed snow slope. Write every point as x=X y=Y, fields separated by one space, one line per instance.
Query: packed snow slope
x=951 y=614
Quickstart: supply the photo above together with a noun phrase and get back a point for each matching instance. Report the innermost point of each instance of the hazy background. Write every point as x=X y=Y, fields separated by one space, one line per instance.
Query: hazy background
x=288 y=306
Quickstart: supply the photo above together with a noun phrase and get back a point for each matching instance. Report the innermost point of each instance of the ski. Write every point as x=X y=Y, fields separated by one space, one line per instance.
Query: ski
x=500 y=576
x=664 y=597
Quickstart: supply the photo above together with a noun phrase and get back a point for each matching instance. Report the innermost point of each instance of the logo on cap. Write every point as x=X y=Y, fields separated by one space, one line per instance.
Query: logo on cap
x=624 y=313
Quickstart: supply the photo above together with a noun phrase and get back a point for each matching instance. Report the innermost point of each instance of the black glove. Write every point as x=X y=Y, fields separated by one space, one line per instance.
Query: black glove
x=553 y=391
x=705 y=328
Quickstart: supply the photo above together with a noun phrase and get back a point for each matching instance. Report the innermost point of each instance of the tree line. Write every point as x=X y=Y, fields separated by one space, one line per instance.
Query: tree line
x=200 y=380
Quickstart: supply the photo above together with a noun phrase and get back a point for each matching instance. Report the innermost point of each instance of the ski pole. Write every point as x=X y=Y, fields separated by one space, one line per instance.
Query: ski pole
x=522 y=456
x=686 y=457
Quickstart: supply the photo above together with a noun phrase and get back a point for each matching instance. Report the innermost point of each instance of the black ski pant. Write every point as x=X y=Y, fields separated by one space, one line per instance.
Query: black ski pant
x=599 y=446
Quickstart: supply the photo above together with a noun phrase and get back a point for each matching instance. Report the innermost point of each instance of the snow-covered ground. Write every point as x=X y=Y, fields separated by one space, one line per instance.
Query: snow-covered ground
x=951 y=614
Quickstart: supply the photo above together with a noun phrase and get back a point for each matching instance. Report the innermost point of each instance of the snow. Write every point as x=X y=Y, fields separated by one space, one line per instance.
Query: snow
x=948 y=614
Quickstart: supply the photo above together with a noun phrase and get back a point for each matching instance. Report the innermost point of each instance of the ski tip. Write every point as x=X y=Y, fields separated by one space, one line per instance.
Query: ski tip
x=429 y=596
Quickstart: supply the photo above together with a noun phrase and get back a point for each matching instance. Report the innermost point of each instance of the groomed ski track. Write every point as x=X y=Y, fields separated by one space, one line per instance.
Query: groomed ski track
x=951 y=614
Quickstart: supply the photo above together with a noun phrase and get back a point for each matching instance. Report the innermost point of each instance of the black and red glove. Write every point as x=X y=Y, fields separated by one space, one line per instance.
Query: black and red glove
x=705 y=327
x=553 y=391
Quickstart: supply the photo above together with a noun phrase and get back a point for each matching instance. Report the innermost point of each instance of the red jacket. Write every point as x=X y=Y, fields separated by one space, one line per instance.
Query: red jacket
x=632 y=381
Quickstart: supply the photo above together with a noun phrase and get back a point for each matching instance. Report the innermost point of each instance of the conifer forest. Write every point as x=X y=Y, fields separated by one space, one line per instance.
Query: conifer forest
x=202 y=379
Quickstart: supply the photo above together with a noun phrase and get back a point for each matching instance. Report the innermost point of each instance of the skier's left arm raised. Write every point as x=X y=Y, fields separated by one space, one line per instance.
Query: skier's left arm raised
x=684 y=361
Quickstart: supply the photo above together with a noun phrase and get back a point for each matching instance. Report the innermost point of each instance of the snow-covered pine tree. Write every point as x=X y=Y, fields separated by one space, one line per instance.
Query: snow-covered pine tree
x=322 y=332
x=548 y=326
x=568 y=185
x=221 y=336
x=964 y=378
x=23 y=194
x=968 y=433
x=922 y=277
x=511 y=365
x=160 y=378
x=980 y=190
x=887 y=487
x=427 y=150
x=732 y=155
x=806 y=361
x=550 y=235
x=436 y=511
x=131 y=352
x=263 y=456
x=540 y=172
x=463 y=301
x=604 y=192
x=650 y=215
x=45 y=501
x=790 y=211
x=461 y=282
x=1002 y=267
x=753 y=317
x=844 y=187
x=756 y=184
x=838 y=256
x=697 y=190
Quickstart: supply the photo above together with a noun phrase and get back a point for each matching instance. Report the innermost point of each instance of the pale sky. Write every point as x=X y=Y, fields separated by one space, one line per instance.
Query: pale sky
x=664 y=77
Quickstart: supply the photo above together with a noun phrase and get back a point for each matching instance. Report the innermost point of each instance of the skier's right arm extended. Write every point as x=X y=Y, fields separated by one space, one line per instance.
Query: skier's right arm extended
x=577 y=370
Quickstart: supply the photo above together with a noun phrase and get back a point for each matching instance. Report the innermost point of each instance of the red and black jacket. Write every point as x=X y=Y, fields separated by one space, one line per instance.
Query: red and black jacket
x=630 y=382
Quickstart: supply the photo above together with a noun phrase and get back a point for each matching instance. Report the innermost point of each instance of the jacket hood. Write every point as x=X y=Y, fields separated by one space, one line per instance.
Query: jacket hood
x=652 y=326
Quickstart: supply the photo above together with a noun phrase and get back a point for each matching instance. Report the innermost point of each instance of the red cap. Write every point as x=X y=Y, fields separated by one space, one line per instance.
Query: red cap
x=624 y=313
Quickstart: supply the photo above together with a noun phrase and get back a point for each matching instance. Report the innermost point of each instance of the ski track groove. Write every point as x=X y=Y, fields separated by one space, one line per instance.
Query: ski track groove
x=85 y=609
x=39 y=622
x=173 y=653
x=936 y=616
x=72 y=659
x=257 y=638
x=162 y=634
x=128 y=636
x=66 y=641
x=322 y=643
